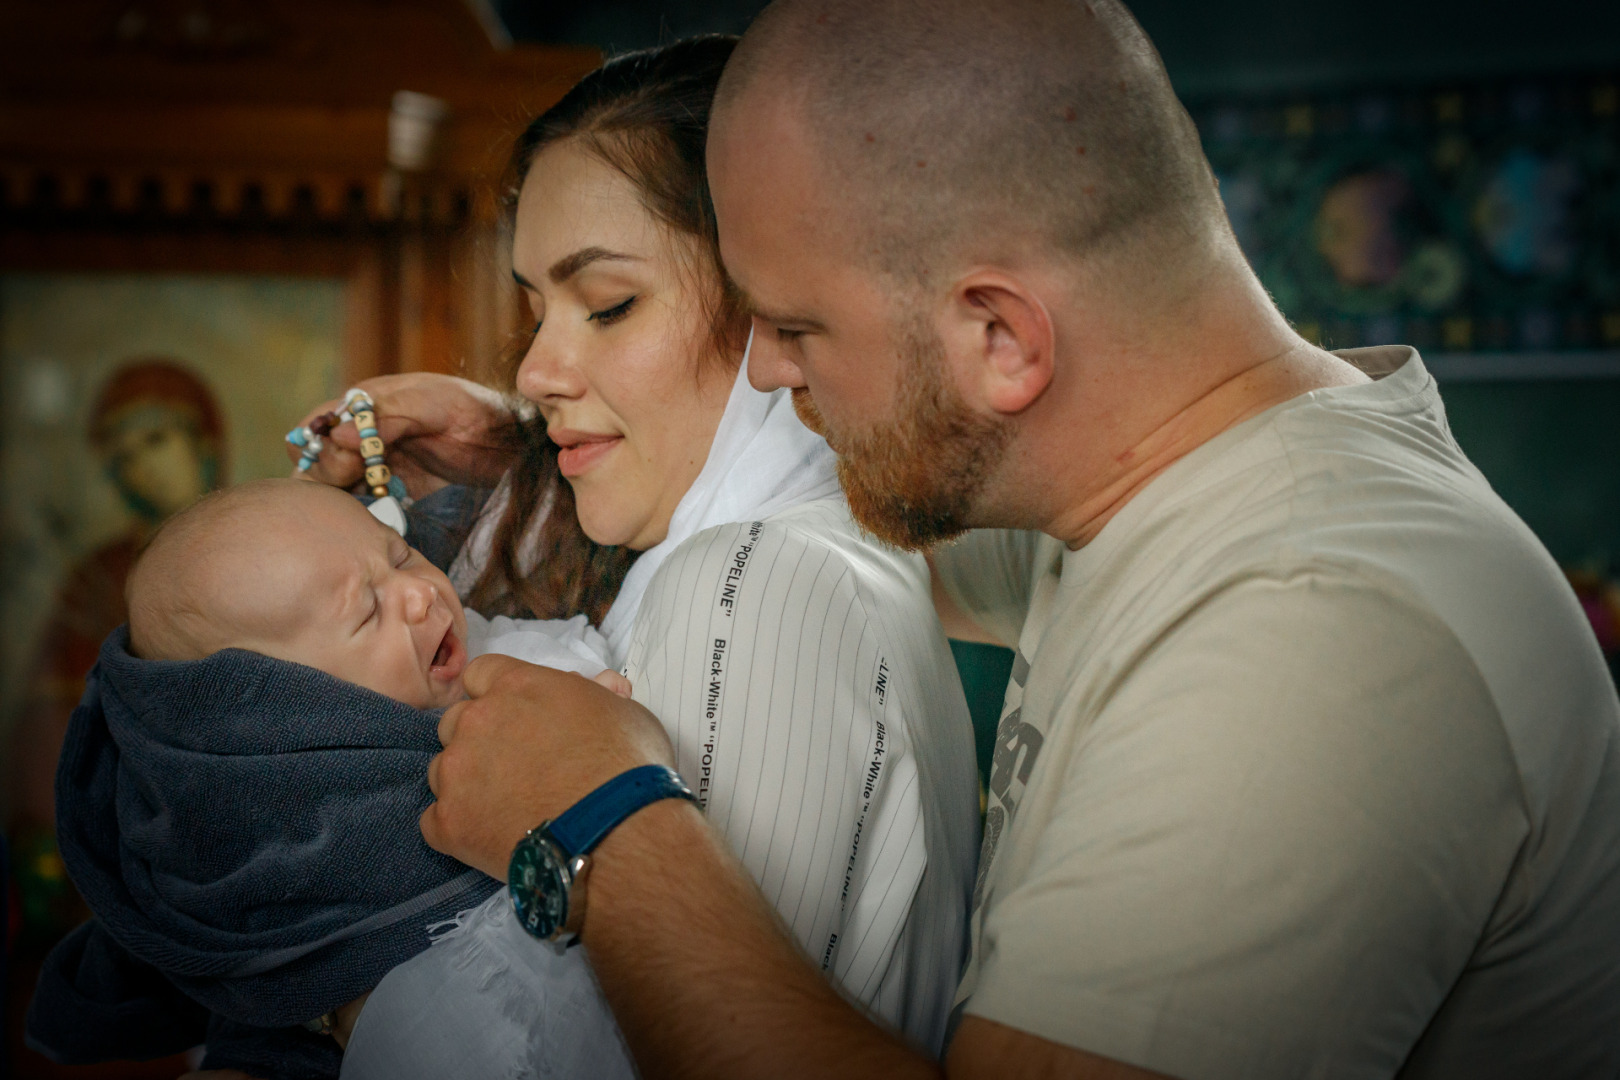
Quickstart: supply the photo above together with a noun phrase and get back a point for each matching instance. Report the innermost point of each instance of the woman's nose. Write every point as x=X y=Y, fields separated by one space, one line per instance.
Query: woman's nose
x=549 y=370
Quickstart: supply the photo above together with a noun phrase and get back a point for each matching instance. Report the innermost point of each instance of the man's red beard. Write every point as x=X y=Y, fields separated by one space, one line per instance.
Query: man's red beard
x=912 y=482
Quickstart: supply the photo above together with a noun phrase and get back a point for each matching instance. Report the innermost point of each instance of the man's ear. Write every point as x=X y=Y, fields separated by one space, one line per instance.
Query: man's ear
x=1000 y=331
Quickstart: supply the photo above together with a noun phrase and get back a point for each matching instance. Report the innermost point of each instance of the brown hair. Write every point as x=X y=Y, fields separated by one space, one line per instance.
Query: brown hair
x=645 y=114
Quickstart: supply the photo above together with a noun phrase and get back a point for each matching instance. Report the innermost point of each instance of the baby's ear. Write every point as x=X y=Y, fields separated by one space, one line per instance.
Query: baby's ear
x=614 y=682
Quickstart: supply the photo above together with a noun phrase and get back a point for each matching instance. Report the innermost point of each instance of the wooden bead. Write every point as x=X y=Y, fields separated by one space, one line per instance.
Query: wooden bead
x=377 y=476
x=372 y=447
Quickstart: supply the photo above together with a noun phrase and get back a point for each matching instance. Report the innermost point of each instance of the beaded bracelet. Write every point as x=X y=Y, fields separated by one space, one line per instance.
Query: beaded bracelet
x=387 y=490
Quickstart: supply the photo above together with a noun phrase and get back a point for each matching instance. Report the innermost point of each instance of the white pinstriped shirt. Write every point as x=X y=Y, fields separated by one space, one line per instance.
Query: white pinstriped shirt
x=816 y=711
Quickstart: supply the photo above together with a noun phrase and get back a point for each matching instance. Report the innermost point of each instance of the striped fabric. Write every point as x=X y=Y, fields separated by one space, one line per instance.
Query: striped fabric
x=816 y=711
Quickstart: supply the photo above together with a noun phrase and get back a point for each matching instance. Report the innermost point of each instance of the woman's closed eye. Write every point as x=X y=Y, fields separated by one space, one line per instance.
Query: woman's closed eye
x=609 y=316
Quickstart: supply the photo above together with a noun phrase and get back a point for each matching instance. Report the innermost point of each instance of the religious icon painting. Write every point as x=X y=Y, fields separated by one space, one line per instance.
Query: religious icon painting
x=125 y=398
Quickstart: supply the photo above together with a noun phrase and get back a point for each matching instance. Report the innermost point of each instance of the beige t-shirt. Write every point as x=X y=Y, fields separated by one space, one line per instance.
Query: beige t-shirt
x=1309 y=767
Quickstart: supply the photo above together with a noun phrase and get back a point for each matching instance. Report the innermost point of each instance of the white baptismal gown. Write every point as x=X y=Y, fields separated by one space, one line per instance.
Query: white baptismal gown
x=486 y=1000
x=485 y=996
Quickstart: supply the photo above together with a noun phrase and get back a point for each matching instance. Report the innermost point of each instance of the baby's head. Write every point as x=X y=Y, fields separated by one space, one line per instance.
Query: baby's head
x=300 y=571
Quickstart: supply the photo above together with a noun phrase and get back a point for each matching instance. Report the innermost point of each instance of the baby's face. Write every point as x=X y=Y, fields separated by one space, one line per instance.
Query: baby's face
x=352 y=599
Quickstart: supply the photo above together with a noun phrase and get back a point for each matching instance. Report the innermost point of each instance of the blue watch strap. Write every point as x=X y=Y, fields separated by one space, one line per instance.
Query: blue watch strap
x=582 y=826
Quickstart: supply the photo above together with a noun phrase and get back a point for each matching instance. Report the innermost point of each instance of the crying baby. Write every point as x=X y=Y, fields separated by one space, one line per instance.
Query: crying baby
x=299 y=571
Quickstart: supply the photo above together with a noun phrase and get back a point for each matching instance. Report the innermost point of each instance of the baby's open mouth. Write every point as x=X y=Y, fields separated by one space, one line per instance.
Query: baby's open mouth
x=449 y=658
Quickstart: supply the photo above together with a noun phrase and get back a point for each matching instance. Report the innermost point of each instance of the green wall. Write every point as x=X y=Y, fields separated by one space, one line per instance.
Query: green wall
x=1552 y=451
x=985 y=670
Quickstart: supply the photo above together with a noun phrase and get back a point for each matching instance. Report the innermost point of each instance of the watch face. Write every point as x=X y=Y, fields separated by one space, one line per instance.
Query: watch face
x=539 y=881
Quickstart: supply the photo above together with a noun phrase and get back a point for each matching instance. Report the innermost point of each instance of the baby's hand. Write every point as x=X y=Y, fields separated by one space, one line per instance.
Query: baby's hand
x=614 y=682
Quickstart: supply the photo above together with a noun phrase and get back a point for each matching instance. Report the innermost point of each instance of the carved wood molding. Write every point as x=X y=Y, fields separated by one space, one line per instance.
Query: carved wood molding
x=54 y=194
x=275 y=111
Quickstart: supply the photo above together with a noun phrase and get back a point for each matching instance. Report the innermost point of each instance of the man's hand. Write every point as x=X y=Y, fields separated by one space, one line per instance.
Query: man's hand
x=437 y=428
x=702 y=975
x=530 y=743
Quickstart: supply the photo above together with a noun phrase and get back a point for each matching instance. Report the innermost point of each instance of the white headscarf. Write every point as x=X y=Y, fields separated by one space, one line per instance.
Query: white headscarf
x=763 y=460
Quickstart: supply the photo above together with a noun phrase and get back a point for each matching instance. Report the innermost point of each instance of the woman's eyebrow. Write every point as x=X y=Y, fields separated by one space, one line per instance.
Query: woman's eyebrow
x=569 y=265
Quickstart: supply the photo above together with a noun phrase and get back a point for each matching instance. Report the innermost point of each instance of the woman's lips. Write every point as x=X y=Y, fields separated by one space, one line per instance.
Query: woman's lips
x=579 y=457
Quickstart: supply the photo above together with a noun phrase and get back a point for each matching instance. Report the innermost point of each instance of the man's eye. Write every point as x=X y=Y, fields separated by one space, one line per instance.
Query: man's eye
x=613 y=314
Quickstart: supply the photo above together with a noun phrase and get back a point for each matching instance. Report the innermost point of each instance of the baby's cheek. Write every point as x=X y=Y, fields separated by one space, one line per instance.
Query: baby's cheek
x=376 y=671
x=399 y=675
x=444 y=694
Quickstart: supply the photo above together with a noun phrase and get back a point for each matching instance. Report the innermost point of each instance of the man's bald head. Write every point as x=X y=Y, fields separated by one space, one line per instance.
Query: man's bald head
x=961 y=130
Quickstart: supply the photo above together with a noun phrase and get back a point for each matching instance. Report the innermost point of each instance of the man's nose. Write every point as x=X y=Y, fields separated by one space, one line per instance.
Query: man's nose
x=769 y=367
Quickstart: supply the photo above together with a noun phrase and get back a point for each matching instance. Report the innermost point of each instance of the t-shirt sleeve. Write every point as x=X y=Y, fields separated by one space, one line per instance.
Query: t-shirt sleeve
x=754 y=648
x=1269 y=852
x=991 y=574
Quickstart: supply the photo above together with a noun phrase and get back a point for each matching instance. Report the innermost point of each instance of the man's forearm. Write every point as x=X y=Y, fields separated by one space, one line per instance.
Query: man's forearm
x=701 y=974
x=703 y=978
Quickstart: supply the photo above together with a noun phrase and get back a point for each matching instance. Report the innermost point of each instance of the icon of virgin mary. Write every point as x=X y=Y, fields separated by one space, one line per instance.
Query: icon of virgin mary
x=158 y=432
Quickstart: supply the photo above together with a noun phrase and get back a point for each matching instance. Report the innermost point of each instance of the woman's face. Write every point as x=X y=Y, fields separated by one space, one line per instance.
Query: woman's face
x=618 y=366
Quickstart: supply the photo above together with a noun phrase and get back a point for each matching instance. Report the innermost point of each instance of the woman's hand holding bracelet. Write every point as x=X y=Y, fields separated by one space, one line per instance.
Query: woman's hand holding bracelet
x=438 y=429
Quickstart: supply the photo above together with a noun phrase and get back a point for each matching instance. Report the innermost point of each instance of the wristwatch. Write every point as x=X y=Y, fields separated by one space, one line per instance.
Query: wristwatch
x=547 y=874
